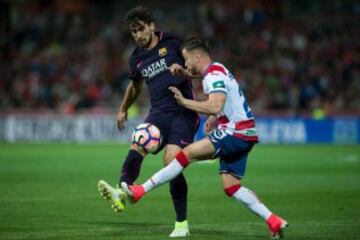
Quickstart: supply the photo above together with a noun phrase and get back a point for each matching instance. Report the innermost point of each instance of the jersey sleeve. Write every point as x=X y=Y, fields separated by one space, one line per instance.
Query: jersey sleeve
x=175 y=39
x=134 y=73
x=215 y=82
x=177 y=42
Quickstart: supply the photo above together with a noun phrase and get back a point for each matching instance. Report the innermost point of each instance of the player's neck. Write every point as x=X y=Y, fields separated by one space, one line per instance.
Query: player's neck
x=154 y=42
x=204 y=64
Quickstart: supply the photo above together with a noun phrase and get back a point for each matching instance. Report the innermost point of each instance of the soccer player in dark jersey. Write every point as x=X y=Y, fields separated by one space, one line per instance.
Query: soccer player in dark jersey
x=149 y=63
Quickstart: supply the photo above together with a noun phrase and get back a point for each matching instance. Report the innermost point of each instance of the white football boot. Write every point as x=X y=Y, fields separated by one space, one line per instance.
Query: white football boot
x=181 y=230
x=116 y=195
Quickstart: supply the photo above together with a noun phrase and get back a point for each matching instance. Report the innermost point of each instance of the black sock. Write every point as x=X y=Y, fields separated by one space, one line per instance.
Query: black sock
x=178 y=190
x=131 y=167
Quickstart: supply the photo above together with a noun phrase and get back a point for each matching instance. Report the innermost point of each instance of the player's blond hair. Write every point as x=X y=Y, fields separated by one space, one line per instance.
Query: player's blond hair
x=196 y=43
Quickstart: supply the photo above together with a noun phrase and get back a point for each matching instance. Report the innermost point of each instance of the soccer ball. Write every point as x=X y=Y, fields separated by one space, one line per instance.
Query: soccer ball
x=147 y=136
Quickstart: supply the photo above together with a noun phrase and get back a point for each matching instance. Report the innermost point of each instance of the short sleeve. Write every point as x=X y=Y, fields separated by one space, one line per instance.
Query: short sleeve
x=215 y=82
x=177 y=42
x=175 y=39
x=134 y=73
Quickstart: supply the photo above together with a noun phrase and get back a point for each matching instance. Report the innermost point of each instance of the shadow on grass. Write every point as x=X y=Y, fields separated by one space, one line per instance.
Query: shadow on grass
x=146 y=230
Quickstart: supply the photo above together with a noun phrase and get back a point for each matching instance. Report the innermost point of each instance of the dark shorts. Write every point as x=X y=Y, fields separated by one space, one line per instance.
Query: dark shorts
x=232 y=151
x=176 y=128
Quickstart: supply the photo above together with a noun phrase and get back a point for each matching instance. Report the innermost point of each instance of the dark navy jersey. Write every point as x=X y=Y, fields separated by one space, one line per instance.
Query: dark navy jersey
x=152 y=66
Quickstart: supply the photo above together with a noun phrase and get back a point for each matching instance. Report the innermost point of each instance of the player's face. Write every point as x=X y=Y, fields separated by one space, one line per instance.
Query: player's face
x=191 y=60
x=142 y=33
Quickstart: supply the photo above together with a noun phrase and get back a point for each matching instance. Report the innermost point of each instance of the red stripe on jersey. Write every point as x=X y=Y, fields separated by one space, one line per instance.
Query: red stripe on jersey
x=182 y=159
x=231 y=190
x=246 y=138
x=223 y=119
x=245 y=124
x=213 y=68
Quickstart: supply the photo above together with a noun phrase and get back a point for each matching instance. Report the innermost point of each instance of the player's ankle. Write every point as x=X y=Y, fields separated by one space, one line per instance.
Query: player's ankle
x=181 y=224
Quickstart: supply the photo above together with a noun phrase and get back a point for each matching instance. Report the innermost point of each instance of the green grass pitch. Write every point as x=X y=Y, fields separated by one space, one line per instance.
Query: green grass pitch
x=48 y=191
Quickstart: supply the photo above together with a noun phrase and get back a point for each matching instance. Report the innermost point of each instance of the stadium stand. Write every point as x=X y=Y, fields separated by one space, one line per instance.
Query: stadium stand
x=68 y=58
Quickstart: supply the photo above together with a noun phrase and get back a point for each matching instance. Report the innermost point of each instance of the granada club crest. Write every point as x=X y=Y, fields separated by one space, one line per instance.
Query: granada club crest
x=162 y=51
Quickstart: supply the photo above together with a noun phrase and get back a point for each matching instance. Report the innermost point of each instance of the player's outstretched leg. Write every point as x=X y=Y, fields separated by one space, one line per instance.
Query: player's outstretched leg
x=173 y=169
x=115 y=195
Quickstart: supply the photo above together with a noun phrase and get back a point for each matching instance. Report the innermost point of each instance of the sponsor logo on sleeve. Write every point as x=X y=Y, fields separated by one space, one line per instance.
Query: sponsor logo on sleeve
x=218 y=84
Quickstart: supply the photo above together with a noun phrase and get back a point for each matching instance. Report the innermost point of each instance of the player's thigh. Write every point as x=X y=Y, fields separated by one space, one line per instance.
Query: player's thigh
x=182 y=128
x=170 y=153
x=200 y=150
x=229 y=180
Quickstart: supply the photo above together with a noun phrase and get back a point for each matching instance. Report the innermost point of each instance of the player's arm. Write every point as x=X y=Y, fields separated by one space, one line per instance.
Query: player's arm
x=132 y=92
x=211 y=106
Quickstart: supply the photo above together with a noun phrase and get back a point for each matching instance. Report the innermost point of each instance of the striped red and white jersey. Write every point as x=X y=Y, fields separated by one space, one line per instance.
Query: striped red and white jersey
x=236 y=117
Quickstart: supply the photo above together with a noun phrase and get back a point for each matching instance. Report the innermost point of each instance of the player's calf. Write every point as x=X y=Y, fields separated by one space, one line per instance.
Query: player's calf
x=131 y=166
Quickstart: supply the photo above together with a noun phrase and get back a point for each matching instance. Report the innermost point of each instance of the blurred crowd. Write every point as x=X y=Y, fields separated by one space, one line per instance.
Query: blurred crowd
x=68 y=59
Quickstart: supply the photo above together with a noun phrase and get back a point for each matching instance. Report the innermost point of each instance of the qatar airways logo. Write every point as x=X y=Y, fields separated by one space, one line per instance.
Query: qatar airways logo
x=154 y=69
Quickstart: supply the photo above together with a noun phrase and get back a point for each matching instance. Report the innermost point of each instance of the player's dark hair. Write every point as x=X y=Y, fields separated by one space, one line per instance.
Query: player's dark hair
x=196 y=43
x=139 y=13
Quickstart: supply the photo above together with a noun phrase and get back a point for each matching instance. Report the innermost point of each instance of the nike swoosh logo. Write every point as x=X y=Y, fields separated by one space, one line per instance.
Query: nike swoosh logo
x=183 y=142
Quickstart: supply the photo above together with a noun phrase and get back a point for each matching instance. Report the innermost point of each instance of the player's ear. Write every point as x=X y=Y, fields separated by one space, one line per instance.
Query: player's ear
x=152 y=26
x=197 y=56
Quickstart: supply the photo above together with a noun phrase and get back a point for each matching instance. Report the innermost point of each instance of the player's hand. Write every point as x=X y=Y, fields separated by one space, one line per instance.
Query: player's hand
x=121 y=119
x=177 y=95
x=210 y=124
x=177 y=70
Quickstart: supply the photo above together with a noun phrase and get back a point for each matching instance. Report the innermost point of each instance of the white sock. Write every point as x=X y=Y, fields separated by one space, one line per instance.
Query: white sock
x=252 y=202
x=166 y=174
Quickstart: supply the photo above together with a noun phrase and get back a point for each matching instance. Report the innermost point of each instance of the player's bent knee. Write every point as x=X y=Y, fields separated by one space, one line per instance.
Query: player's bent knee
x=182 y=158
x=135 y=147
x=230 y=191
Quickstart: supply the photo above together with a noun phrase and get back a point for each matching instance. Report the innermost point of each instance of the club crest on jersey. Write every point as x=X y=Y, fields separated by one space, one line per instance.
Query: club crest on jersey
x=162 y=51
x=218 y=134
x=219 y=84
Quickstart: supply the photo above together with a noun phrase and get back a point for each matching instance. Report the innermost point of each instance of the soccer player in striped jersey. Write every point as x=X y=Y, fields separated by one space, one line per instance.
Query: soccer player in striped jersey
x=231 y=141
